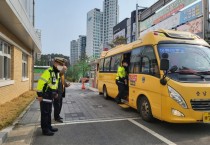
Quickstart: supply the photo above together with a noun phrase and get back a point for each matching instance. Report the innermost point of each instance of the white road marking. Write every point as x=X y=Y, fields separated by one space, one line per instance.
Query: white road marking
x=152 y=132
x=92 y=121
x=165 y=140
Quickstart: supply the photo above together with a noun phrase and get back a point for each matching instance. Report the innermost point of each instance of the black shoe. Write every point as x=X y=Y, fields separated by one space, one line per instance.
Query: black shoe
x=60 y=117
x=48 y=133
x=59 y=120
x=54 y=129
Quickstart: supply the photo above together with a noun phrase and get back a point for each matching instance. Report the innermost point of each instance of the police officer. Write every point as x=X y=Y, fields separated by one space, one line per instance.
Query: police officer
x=57 y=103
x=47 y=90
x=121 y=81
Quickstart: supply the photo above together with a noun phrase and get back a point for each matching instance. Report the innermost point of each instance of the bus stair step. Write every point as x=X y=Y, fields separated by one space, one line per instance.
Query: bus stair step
x=124 y=101
x=125 y=106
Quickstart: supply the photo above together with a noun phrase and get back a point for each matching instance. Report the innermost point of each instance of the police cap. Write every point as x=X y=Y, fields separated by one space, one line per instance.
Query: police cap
x=60 y=60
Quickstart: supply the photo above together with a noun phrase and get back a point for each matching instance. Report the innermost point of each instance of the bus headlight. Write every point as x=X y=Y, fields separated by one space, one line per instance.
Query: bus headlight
x=178 y=98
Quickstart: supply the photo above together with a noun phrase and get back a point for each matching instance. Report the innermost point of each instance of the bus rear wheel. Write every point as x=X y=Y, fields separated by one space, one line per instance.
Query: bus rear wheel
x=145 y=109
x=105 y=94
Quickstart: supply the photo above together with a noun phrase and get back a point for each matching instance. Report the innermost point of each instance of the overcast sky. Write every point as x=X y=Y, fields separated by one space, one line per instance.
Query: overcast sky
x=64 y=20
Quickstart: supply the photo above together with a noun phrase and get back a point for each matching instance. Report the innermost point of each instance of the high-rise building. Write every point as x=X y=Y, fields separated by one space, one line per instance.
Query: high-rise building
x=94 y=32
x=74 y=52
x=81 y=46
x=18 y=45
x=110 y=19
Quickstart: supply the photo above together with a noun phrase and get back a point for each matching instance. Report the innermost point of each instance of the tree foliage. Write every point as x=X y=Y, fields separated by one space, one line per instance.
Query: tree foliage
x=46 y=59
x=118 y=41
x=79 y=70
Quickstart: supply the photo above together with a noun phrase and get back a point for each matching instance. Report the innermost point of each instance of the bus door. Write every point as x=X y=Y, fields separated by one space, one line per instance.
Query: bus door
x=126 y=57
x=145 y=78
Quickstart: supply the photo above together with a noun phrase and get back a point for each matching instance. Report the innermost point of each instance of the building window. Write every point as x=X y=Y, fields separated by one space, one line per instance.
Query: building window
x=5 y=60
x=24 y=66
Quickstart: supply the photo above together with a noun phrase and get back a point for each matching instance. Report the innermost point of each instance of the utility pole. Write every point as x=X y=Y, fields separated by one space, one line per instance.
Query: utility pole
x=137 y=21
x=206 y=32
x=33 y=12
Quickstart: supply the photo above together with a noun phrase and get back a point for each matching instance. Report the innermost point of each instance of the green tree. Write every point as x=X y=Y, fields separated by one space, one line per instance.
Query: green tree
x=79 y=70
x=118 y=41
x=73 y=73
x=46 y=59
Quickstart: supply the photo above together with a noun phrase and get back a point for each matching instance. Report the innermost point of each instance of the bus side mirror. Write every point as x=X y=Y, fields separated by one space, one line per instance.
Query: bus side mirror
x=164 y=65
x=164 y=62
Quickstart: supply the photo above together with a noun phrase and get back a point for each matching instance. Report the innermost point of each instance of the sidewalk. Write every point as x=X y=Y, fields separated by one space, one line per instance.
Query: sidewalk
x=22 y=130
x=78 y=105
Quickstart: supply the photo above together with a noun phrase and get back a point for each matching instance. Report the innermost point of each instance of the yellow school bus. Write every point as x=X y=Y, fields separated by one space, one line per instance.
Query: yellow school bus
x=169 y=76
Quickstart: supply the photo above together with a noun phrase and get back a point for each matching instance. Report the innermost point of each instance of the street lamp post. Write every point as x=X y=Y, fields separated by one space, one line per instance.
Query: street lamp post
x=137 y=19
x=206 y=31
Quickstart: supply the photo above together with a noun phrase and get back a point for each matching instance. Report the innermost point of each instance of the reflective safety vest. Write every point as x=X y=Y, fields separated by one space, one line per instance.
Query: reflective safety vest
x=48 y=80
x=121 y=74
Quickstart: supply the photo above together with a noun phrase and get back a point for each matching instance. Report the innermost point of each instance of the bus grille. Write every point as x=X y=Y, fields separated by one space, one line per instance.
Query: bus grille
x=200 y=105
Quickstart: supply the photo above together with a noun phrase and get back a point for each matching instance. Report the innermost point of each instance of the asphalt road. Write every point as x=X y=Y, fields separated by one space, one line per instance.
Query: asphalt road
x=102 y=122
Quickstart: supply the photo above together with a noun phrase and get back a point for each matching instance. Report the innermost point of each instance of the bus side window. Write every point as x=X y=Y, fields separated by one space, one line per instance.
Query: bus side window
x=154 y=67
x=145 y=65
x=149 y=62
x=101 y=63
x=107 y=64
x=135 y=60
x=115 y=62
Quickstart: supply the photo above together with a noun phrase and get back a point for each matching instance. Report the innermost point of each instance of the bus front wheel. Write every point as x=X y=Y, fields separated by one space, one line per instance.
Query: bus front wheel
x=145 y=109
x=105 y=94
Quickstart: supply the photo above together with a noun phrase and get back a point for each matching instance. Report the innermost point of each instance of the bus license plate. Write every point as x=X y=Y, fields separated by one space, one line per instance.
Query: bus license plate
x=206 y=117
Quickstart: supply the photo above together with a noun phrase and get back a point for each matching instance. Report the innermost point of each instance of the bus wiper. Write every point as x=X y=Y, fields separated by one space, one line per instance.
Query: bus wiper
x=204 y=72
x=190 y=71
x=186 y=70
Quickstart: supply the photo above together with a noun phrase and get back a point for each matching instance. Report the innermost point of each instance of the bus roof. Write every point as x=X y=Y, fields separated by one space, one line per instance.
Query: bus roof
x=156 y=37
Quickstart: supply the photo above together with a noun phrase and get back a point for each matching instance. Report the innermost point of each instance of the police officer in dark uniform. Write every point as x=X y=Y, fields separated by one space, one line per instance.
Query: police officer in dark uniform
x=121 y=81
x=57 y=103
x=47 y=90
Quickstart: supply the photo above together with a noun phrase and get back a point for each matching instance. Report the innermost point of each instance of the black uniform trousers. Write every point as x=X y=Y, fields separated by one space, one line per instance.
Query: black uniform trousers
x=61 y=103
x=61 y=99
x=121 y=91
x=46 y=109
x=57 y=104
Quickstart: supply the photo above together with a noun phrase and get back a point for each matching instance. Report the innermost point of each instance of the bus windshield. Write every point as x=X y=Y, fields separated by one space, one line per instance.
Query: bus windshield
x=187 y=57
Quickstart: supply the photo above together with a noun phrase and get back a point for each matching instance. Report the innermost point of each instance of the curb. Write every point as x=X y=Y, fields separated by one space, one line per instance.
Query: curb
x=4 y=132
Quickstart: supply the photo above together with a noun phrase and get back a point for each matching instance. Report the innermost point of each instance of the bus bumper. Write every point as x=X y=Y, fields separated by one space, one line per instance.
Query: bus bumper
x=174 y=113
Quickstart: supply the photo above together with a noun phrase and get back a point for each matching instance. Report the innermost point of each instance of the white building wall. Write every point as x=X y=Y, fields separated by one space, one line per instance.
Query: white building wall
x=28 y=7
x=74 y=52
x=110 y=19
x=94 y=33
